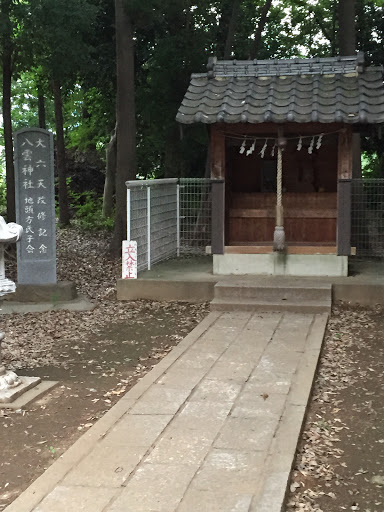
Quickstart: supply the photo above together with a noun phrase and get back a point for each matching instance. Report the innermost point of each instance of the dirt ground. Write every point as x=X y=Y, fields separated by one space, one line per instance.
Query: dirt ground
x=340 y=459
x=96 y=356
x=93 y=373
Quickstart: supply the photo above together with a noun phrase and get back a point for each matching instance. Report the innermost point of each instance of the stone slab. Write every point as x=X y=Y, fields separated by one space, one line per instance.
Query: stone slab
x=209 y=501
x=30 y=396
x=154 y=488
x=167 y=446
x=81 y=303
x=10 y=395
x=187 y=291
x=63 y=291
x=281 y=264
x=237 y=472
x=79 y=499
x=106 y=466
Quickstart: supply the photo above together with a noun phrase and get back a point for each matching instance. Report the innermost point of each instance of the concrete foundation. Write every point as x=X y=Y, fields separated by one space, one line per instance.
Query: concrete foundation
x=63 y=291
x=281 y=264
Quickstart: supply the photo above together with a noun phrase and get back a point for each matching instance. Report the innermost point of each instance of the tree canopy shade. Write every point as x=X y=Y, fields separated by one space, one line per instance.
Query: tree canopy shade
x=63 y=60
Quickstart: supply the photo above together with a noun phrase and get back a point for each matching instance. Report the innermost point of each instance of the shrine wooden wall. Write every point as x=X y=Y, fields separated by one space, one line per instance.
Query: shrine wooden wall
x=310 y=183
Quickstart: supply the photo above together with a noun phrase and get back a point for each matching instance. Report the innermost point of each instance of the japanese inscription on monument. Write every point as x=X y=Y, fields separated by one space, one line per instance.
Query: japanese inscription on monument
x=35 y=206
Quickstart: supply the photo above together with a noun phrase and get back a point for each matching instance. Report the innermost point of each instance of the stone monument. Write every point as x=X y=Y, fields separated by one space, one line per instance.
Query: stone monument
x=11 y=386
x=35 y=206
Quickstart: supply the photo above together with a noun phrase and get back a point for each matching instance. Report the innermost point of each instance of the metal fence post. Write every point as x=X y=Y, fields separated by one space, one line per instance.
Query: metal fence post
x=178 y=219
x=128 y=214
x=148 y=227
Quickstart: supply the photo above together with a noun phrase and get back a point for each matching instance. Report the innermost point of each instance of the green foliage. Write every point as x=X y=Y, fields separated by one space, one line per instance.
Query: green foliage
x=87 y=210
x=73 y=41
x=3 y=195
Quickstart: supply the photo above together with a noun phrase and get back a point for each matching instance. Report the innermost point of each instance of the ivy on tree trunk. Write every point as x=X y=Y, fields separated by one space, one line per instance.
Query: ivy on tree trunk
x=6 y=107
x=61 y=165
x=125 y=120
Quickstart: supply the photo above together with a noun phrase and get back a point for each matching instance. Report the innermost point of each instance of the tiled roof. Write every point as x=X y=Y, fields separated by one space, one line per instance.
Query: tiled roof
x=337 y=89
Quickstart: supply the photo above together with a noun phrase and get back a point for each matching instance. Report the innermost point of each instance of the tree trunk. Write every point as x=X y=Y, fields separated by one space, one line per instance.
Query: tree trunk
x=6 y=107
x=64 y=217
x=8 y=141
x=125 y=120
x=232 y=29
x=347 y=31
x=110 y=175
x=257 y=40
x=41 y=110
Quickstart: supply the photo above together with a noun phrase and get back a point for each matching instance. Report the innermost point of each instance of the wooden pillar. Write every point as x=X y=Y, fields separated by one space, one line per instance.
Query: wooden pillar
x=217 y=142
x=344 y=191
x=218 y=216
x=345 y=154
x=344 y=194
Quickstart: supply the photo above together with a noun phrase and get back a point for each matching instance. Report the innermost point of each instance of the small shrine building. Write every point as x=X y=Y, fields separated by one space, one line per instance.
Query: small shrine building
x=283 y=153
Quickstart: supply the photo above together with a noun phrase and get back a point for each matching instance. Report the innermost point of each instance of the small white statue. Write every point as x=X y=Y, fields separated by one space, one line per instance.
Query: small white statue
x=9 y=233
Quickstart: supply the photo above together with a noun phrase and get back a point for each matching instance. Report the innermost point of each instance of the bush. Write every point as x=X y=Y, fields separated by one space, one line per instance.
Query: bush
x=87 y=208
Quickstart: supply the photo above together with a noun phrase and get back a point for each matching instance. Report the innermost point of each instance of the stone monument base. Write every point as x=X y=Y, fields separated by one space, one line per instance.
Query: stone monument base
x=63 y=291
x=11 y=394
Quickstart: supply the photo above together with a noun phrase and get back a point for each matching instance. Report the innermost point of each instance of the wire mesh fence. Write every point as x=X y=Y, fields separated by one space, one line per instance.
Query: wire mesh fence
x=168 y=218
x=195 y=215
x=368 y=217
x=138 y=227
x=164 y=229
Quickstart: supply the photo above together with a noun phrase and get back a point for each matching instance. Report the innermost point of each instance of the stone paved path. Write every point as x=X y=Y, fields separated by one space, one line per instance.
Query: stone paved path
x=212 y=428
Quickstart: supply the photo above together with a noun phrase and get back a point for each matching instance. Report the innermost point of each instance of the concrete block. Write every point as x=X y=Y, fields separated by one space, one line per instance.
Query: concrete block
x=273 y=493
x=62 y=499
x=216 y=391
x=165 y=290
x=266 y=380
x=234 y=471
x=281 y=264
x=202 y=416
x=106 y=466
x=303 y=379
x=287 y=435
x=154 y=488
x=30 y=396
x=137 y=430
x=247 y=434
x=160 y=400
x=9 y=395
x=275 y=360
x=367 y=294
x=181 y=378
x=63 y=291
x=253 y=404
x=272 y=290
x=208 y=501
x=182 y=446
x=231 y=370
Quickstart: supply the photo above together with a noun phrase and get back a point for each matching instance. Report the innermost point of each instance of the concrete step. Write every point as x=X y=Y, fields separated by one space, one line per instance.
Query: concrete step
x=291 y=305
x=273 y=291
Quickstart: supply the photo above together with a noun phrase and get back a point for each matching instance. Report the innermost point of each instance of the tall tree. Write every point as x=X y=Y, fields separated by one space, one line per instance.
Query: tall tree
x=347 y=31
x=59 y=29
x=231 y=29
x=259 y=30
x=125 y=118
x=7 y=54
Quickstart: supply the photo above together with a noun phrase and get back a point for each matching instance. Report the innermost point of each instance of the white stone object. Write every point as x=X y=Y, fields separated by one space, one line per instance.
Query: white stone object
x=9 y=233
